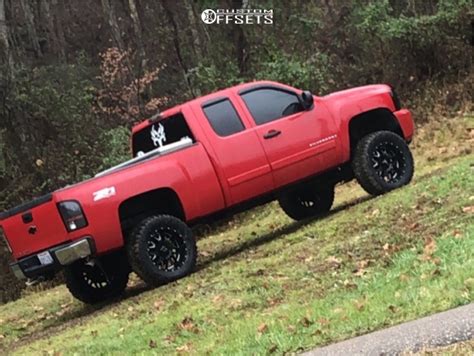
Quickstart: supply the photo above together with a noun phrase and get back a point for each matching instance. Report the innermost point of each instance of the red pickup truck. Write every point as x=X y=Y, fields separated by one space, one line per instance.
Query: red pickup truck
x=220 y=153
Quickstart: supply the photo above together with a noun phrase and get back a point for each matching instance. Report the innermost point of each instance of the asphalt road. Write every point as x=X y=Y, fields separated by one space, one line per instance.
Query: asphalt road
x=436 y=330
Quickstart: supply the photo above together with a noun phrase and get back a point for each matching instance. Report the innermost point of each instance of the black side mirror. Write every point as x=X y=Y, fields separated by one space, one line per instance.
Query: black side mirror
x=307 y=100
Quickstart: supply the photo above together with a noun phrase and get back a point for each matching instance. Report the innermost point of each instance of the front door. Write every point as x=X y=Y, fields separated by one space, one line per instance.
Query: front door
x=298 y=143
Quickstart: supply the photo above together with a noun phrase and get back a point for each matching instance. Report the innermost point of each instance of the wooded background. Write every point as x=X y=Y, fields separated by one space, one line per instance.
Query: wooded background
x=76 y=74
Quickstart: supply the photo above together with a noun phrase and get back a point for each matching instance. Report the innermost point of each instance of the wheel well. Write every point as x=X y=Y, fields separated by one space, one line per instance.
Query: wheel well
x=158 y=201
x=371 y=121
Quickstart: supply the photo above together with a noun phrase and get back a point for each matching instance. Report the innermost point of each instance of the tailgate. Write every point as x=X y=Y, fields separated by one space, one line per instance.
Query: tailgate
x=33 y=227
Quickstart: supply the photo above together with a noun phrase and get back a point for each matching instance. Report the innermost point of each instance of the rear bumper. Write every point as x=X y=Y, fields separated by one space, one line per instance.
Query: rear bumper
x=406 y=123
x=50 y=261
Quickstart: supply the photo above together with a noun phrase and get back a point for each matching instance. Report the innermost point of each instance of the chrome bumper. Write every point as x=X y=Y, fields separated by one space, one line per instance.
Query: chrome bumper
x=73 y=252
x=32 y=267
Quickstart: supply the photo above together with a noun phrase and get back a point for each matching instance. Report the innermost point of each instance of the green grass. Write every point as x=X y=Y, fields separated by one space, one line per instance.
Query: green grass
x=267 y=284
x=458 y=349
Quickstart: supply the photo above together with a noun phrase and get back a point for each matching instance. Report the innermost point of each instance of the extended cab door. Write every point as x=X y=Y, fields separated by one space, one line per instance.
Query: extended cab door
x=235 y=150
x=298 y=143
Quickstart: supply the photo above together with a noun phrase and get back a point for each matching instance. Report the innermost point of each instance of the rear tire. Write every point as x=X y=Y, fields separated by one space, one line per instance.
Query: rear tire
x=307 y=201
x=162 y=249
x=382 y=162
x=98 y=280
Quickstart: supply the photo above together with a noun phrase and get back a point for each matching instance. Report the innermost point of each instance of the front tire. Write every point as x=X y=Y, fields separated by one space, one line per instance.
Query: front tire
x=162 y=249
x=382 y=162
x=307 y=201
x=98 y=280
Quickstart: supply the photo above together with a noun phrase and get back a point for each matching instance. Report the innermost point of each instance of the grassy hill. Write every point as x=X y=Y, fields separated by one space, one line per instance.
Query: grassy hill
x=265 y=284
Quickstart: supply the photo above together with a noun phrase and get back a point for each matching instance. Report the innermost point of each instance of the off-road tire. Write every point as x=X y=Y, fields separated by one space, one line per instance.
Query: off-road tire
x=157 y=241
x=382 y=162
x=97 y=281
x=307 y=201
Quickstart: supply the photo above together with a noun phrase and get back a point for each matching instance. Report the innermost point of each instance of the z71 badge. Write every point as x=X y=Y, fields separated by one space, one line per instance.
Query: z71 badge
x=104 y=193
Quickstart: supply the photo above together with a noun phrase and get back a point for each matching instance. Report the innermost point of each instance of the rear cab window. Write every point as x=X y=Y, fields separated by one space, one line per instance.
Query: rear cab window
x=161 y=133
x=223 y=117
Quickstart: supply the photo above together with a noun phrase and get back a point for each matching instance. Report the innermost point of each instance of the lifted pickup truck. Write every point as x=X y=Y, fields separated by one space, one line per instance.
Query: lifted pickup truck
x=220 y=153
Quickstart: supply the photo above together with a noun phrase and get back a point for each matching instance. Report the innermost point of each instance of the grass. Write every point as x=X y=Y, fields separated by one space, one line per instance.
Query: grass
x=266 y=284
x=459 y=348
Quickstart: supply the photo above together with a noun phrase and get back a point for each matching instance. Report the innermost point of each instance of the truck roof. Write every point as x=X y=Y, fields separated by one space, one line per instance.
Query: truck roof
x=207 y=97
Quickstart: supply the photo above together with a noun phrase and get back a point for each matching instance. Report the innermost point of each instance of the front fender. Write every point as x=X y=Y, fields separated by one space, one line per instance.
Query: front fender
x=347 y=104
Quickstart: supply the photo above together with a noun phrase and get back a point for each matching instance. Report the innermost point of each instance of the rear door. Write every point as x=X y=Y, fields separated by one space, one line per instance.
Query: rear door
x=235 y=150
x=298 y=143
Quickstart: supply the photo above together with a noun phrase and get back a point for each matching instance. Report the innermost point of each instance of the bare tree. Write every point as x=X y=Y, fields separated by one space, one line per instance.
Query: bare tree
x=240 y=39
x=108 y=8
x=48 y=16
x=177 y=46
x=58 y=15
x=137 y=28
x=196 y=40
x=4 y=37
x=30 y=26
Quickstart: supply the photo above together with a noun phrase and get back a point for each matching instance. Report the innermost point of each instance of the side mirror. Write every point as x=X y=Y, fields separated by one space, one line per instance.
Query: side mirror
x=307 y=99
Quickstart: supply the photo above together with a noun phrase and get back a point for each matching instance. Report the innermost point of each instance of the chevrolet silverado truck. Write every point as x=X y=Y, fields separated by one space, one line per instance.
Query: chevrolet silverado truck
x=218 y=154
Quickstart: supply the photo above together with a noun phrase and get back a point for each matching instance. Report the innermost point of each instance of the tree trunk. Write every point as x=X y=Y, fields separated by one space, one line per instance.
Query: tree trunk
x=30 y=26
x=58 y=15
x=49 y=20
x=197 y=45
x=137 y=28
x=108 y=7
x=177 y=47
x=240 y=40
x=8 y=57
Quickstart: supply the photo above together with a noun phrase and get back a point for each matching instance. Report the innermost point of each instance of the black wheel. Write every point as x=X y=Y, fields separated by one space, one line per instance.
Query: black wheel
x=162 y=249
x=98 y=280
x=307 y=201
x=382 y=162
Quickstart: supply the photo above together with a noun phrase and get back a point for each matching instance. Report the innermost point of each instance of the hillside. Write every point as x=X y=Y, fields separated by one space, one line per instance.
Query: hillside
x=266 y=284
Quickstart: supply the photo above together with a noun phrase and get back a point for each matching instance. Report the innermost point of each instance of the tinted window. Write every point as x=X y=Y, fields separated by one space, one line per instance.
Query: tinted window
x=161 y=133
x=267 y=105
x=223 y=118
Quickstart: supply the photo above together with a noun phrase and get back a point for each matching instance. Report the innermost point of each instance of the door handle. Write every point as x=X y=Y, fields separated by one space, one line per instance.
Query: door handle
x=271 y=134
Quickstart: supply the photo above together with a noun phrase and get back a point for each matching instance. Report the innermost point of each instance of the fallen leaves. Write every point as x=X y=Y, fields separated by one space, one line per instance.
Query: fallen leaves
x=185 y=348
x=403 y=277
x=359 y=270
x=272 y=348
x=429 y=249
x=306 y=322
x=469 y=283
x=457 y=234
x=349 y=284
x=323 y=321
x=204 y=253
x=334 y=262
x=158 y=304
x=468 y=209
x=262 y=328
x=218 y=298
x=359 y=304
x=188 y=324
